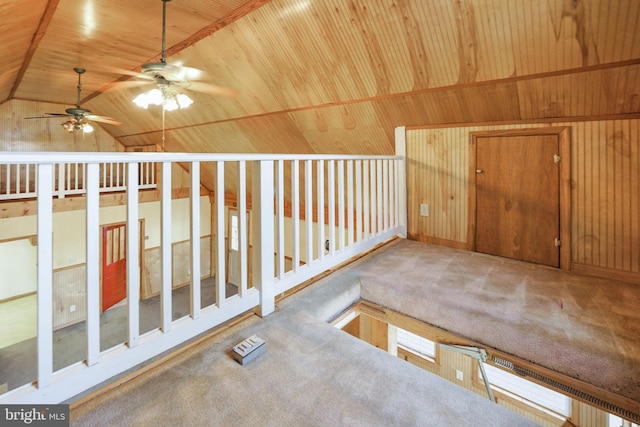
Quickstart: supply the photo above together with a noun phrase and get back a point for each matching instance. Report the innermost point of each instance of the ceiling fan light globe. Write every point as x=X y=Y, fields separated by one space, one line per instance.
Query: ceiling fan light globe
x=154 y=96
x=141 y=101
x=183 y=100
x=87 y=128
x=170 y=105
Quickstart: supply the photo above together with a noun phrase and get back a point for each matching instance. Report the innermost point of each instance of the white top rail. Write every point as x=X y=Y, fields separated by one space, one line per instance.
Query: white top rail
x=43 y=157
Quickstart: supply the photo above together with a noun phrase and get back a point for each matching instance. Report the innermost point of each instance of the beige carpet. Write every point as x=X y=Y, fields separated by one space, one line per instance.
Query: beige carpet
x=311 y=375
x=587 y=328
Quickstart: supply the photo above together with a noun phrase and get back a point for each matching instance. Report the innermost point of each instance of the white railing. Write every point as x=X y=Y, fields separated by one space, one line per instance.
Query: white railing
x=322 y=210
x=18 y=181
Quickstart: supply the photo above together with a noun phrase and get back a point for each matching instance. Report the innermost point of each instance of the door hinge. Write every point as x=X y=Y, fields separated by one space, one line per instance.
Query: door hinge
x=556 y=158
x=557 y=242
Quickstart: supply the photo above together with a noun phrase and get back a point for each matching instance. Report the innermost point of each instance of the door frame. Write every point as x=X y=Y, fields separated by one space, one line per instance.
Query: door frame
x=141 y=249
x=564 y=146
x=230 y=212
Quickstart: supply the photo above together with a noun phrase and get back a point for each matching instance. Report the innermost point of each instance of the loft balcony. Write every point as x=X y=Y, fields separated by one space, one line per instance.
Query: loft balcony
x=292 y=218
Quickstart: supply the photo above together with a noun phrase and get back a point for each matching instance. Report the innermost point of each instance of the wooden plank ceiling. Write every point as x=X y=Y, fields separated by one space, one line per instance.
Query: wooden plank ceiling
x=323 y=76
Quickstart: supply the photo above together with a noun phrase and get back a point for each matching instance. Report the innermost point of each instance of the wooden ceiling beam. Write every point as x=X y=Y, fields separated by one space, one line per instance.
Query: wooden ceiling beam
x=45 y=20
x=237 y=14
x=432 y=90
x=240 y=12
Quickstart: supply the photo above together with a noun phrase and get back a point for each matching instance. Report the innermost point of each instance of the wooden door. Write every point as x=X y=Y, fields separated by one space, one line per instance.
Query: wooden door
x=114 y=264
x=518 y=197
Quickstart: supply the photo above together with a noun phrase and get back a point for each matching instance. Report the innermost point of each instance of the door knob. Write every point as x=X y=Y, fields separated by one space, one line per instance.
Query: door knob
x=479 y=171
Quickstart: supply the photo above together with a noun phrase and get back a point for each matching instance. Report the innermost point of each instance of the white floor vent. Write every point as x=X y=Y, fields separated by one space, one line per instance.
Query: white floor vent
x=568 y=390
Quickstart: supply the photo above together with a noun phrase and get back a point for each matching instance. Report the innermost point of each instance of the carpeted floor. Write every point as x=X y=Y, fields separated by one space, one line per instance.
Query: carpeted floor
x=587 y=328
x=311 y=375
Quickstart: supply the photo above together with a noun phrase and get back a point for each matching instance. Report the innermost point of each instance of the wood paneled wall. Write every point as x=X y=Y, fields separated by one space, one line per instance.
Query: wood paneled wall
x=605 y=191
x=20 y=134
x=69 y=295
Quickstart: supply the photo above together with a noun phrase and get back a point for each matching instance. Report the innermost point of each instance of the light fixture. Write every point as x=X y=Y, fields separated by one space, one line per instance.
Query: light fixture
x=73 y=125
x=164 y=95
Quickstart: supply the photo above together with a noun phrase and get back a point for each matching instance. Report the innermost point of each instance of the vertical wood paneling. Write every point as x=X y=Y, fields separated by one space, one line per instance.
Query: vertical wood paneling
x=69 y=296
x=605 y=194
x=433 y=156
x=310 y=72
x=19 y=134
x=634 y=190
x=590 y=416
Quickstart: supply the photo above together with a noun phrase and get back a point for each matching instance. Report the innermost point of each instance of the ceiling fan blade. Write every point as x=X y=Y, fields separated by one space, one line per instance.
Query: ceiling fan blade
x=212 y=89
x=102 y=119
x=184 y=73
x=126 y=84
x=121 y=71
x=49 y=116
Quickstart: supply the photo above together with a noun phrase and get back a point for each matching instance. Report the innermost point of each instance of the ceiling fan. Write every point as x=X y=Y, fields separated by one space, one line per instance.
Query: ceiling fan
x=78 y=116
x=171 y=79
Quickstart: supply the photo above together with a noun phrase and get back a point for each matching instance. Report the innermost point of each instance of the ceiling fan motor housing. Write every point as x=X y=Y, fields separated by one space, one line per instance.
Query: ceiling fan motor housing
x=77 y=111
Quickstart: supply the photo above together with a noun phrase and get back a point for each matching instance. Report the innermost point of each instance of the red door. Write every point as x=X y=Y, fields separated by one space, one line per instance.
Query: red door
x=114 y=265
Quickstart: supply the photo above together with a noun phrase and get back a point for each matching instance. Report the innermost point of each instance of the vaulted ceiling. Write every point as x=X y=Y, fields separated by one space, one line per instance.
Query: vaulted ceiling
x=324 y=76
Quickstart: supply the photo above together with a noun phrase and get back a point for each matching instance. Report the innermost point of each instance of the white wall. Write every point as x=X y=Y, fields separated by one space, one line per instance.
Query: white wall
x=69 y=229
x=18 y=275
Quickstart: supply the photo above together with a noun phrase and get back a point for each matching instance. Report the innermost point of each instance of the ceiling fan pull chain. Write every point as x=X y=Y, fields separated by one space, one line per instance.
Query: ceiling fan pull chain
x=163 y=130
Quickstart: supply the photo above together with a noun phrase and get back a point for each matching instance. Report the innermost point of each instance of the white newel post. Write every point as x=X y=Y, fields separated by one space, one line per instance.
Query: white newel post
x=280 y=220
x=61 y=180
x=195 y=240
x=165 y=243
x=401 y=183
x=262 y=201
x=45 y=275
x=242 y=219
x=320 y=195
x=295 y=213
x=221 y=273
x=92 y=174
x=133 y=252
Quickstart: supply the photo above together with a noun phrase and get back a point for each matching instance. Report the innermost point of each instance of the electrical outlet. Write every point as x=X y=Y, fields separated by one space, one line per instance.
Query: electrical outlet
x=459 y=375
x=72 y=308
x=424 y=209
